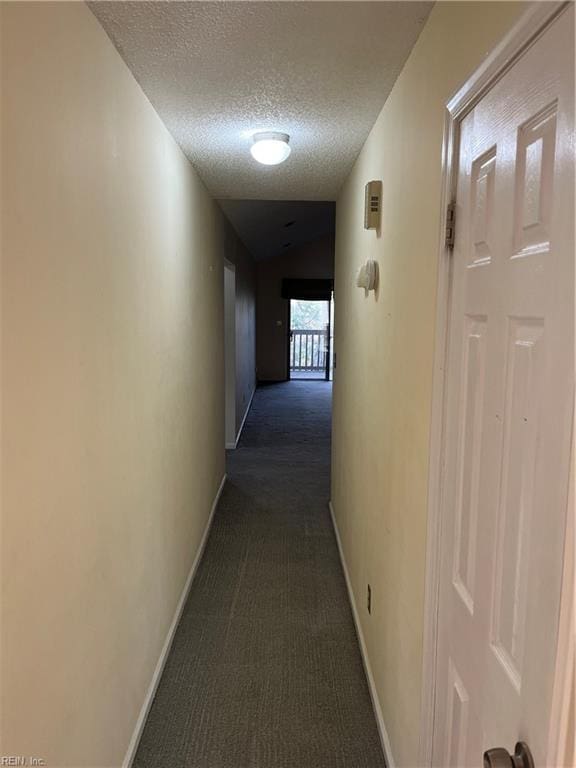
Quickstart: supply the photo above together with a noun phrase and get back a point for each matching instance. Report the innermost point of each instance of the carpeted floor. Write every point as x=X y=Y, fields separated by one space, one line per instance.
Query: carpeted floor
x=265 y=670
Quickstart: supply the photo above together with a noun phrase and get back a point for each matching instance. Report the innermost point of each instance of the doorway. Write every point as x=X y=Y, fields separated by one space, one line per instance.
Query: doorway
x=310 y=339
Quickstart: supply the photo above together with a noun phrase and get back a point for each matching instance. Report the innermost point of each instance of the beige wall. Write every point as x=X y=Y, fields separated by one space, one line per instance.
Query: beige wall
x=313 y=260
x=112 y=368
x=384 y=346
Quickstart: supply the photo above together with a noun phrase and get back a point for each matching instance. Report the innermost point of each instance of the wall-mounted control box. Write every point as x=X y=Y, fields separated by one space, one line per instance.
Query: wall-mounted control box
x=372 y=205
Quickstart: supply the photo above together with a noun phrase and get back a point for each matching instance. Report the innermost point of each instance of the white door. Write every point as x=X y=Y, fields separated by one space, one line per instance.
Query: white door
x=509 y=409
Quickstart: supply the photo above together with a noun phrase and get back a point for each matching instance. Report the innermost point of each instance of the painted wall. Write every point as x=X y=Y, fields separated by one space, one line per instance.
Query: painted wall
x=385 y=346
x=230 y=354
x=245 y=321
x=313 y=260
x=112 y=385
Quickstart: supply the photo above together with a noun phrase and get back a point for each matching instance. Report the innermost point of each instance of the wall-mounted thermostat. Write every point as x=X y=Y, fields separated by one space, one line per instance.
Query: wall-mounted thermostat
x=372 y=204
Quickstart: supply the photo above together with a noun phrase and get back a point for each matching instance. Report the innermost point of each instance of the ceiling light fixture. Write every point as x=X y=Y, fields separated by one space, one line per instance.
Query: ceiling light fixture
x=270 y=148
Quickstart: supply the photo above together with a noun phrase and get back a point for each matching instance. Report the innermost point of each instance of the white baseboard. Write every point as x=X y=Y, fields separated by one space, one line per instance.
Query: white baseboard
x=134 y=741
x=384 y=738
x=234 y=445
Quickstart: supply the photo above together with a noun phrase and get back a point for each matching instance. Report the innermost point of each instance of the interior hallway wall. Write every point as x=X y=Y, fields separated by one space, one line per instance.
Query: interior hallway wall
x=314 y=260
x=229 y=354
x=112 y=385
x=237 y=253
x=385 y=347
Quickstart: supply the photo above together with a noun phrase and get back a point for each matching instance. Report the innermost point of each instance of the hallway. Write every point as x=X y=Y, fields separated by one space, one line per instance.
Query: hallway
x=207 y=559
x=265 y=669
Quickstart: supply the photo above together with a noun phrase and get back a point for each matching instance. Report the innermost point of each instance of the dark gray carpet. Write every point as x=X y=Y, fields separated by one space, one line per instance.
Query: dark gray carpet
x=265 y=669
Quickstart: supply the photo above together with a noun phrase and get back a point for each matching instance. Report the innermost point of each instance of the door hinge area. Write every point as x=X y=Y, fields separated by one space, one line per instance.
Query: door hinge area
x=450 y=225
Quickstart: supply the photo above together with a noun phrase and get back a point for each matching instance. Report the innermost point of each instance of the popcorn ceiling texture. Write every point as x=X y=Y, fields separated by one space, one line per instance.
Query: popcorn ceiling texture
x=218 y=71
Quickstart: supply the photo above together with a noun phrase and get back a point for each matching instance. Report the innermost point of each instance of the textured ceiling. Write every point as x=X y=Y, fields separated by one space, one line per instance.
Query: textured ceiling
x=271 y=227
x=216 y=72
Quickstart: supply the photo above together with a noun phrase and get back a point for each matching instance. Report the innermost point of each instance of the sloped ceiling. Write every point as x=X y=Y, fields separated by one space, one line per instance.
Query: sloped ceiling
x=271 y=227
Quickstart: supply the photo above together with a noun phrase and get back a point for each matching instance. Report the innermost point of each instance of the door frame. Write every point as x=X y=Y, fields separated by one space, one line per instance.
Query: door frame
x=289 y=340
x=562 y=736
x=529 y=27
x=328 y=350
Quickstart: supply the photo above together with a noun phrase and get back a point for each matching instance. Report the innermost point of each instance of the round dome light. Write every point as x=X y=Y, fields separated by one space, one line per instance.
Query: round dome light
x=270 y=148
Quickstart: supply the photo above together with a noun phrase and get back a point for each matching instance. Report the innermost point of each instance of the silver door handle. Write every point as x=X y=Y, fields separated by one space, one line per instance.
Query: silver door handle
x=498 y=757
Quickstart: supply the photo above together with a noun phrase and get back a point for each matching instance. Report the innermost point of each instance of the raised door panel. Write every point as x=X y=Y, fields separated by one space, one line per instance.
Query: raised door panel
x=467 y=488
x=534 y=182
x=521 y=416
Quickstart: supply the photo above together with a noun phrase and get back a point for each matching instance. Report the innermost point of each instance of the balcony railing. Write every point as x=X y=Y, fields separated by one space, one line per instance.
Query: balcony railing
x=308 y=350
